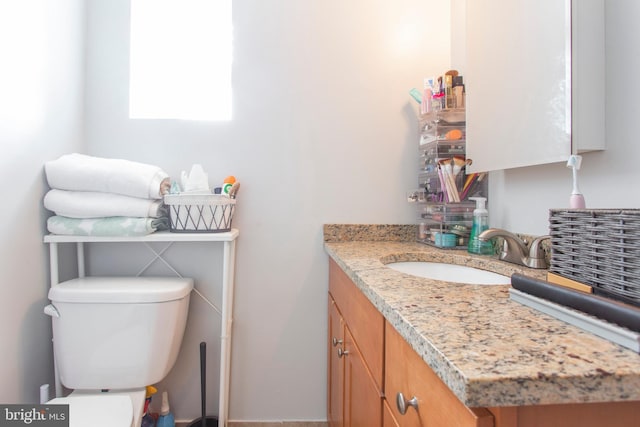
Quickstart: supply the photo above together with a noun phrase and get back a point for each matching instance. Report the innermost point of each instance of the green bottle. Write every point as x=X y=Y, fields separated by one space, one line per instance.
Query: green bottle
x=480 y=224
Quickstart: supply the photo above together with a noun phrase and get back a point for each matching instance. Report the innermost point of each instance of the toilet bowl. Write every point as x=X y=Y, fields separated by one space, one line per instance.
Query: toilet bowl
x=113 y=336
x=97 y=409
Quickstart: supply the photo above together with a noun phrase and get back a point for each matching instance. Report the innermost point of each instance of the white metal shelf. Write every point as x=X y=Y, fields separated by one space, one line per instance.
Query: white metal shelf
x=159 y=236
x=228 y=284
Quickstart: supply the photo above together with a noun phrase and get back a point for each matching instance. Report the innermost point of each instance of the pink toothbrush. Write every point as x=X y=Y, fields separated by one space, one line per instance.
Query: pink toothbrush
x=576 y=200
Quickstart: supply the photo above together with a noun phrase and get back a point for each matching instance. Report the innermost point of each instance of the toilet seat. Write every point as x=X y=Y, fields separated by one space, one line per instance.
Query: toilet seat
x=98 y=410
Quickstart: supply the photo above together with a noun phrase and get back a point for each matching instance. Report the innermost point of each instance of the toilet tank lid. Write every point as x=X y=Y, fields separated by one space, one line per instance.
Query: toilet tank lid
x=121 y=290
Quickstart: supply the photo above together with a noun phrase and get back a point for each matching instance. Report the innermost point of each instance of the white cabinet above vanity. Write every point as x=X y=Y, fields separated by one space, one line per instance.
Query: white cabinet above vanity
x=534 y=77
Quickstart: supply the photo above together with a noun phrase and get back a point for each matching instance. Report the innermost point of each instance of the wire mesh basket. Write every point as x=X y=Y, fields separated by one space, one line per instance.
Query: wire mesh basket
x=200 y=213
x=598 y=247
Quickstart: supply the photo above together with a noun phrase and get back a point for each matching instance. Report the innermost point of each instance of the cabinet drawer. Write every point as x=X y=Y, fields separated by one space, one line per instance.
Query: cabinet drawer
x=437 y=406
x=364 y=321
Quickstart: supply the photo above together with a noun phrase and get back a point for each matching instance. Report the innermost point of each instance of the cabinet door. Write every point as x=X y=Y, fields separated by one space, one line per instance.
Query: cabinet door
x=388 y=420
x=534 y=81
x=362 y=400
x=335 y=368
x=364 y=321
x=427 y=400
x=518 y=83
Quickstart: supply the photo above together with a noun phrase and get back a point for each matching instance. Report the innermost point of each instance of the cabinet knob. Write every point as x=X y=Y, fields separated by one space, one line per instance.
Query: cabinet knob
x=335 y=341
x=402 y=404
x=342 y=352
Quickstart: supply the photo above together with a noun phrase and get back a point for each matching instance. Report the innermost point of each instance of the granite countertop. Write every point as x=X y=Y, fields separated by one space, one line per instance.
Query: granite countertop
x=488 y=349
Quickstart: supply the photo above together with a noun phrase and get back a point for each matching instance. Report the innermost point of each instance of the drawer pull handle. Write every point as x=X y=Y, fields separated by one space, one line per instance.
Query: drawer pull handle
x=403 y=404
x=342 y=352
x=335 y=341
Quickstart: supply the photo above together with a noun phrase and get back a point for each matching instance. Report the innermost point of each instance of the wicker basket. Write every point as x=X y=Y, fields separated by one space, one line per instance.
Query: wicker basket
x=200 y=213
x=600 y=248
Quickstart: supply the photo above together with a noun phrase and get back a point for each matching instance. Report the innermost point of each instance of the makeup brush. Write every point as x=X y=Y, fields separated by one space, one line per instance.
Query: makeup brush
x=443 y=185
x=458 y=163
x=576 y=200
x=471 y=179
x=447 y=170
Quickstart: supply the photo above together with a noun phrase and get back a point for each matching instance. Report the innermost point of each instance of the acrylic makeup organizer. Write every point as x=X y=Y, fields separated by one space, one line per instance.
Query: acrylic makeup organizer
x=228 y=284
x=445 y=213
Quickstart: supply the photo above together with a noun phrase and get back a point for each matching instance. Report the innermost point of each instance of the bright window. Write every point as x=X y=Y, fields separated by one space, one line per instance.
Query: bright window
x=180 y=59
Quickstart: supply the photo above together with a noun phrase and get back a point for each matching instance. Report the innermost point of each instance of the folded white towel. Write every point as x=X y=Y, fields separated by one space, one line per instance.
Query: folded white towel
x=110 y=226
x=80 y=172
x=91 y=204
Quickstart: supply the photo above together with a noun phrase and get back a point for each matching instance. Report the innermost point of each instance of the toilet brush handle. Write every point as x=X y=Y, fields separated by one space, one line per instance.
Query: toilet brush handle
x=203 y=371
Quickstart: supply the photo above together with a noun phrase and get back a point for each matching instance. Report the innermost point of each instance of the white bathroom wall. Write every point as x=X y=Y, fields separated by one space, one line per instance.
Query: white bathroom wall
x=323 y=131
x=41 y=45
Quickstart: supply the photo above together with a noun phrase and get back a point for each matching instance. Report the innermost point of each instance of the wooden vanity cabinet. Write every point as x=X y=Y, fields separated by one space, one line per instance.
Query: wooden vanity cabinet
x=367 y=357
x=601 y=414
x=355 y=355
x=369 y=363
x=427 y=400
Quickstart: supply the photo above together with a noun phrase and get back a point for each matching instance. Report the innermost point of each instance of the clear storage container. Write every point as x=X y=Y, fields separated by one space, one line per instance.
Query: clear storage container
x=445 y=215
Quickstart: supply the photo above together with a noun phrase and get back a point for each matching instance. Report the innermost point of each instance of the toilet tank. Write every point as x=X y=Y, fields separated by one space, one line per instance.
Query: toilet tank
x=117 y=332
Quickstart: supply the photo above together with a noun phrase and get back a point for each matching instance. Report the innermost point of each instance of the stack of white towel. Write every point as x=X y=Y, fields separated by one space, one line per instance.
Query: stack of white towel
x=93 y=196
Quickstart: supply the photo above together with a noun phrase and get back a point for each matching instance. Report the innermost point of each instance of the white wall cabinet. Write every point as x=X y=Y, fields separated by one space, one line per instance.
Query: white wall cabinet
x=526 y=103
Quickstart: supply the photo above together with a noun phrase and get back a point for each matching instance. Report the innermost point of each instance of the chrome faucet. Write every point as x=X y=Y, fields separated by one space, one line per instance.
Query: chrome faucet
x=515 y=250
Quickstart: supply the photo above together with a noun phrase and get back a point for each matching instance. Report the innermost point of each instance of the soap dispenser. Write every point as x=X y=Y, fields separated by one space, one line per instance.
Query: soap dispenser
x=480 y=224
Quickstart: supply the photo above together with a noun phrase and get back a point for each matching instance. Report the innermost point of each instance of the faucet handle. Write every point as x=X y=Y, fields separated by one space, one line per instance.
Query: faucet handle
x=537 y=257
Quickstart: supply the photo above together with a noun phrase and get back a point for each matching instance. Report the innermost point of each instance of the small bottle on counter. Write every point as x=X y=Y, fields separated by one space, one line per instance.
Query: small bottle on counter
x=448 y=91
x=480 y=224
x=458 y=92
x=427 y=96
x=166 y=418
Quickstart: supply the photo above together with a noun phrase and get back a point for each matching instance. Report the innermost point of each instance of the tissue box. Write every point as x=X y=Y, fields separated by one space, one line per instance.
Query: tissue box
x=200 y=213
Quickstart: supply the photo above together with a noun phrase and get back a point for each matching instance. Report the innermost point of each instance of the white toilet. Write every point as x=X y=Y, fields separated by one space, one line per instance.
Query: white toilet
x=113 y=336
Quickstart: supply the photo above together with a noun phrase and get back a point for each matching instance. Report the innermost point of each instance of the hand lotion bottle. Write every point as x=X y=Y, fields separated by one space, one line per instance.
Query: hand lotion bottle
x=480 y=224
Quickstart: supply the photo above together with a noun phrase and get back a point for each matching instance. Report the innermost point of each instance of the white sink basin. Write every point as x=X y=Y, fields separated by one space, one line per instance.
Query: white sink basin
x=450 y=273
